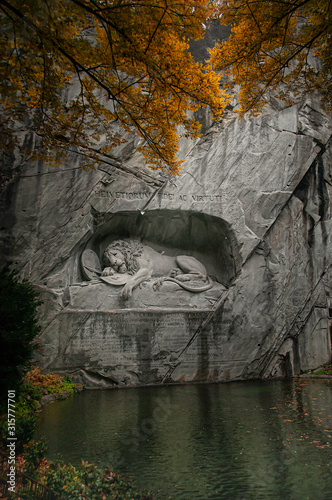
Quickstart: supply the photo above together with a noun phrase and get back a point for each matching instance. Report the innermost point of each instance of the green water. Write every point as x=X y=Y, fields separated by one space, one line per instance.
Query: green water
x=245 y=440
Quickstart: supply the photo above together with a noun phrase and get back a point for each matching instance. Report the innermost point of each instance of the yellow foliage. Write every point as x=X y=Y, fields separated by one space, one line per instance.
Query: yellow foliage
x=130 y=64
x=37 y=378
x=49 y=382
x=271 y=47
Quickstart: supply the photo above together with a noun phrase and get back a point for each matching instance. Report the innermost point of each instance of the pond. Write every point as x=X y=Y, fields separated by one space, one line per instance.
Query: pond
x=240 y=440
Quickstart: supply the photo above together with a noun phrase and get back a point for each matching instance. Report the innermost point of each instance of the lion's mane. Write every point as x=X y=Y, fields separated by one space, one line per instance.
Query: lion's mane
x=130 y=250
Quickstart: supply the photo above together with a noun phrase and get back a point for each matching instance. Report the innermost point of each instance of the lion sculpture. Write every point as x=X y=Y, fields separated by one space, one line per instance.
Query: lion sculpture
x=141 y=263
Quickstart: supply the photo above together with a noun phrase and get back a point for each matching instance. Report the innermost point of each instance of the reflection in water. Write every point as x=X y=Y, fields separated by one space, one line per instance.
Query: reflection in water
x=244 y=440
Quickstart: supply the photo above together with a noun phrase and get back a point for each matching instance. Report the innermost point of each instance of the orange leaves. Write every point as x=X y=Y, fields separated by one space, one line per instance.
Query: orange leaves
x=128 y=62
x=271 y=47
x=37 y=378
x=74 y=68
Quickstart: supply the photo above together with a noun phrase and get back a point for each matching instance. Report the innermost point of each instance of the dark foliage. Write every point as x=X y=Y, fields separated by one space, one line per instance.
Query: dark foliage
x=19 y=330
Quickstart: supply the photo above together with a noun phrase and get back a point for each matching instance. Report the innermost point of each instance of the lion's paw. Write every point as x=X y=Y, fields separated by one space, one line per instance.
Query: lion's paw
x=108 y=271
x=175 y=272
x=126 y=292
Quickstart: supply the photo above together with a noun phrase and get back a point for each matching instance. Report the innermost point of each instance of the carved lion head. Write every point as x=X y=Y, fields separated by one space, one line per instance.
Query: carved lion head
x=130 y=249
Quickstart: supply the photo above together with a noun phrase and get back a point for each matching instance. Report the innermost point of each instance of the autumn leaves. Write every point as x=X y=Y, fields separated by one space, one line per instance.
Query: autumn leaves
x=79 y=73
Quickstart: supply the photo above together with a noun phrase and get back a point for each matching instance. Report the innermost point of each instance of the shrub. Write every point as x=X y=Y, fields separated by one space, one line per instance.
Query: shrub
x=25 y=418
x=49 y=383
x=34 y=452
x=89 y=482
x=19 y=330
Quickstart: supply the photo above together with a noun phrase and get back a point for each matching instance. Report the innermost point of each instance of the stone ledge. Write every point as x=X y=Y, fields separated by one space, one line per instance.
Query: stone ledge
x=57 y=396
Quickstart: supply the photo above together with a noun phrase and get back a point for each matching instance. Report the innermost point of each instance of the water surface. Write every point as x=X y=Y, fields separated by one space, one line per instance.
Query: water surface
x=244 y=440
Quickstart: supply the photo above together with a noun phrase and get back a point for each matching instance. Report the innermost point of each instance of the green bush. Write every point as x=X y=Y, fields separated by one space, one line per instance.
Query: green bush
x=19 y=330
x=34 y=451
x=87 y=481
x=25 y=419
x=30 y=393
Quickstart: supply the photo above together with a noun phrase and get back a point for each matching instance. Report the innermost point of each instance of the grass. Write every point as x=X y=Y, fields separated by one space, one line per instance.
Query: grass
x=324 y=370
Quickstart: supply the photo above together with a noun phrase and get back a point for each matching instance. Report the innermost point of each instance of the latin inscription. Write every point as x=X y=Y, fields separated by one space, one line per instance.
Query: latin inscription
x=144 y=195
x=124 y=195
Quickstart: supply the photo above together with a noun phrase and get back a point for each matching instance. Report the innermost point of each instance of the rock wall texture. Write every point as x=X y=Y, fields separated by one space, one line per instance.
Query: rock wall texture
x=252 y=205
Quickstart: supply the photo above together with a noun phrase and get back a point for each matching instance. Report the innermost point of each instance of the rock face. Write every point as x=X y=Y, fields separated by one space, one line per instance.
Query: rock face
x=252 y=206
